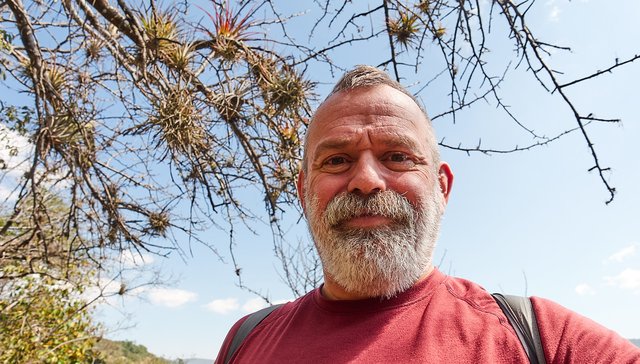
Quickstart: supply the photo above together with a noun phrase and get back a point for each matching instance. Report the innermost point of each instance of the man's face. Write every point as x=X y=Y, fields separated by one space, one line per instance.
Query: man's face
x=372 y=194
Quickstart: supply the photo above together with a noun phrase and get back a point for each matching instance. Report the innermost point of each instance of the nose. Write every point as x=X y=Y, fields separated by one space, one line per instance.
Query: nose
x=367 y=176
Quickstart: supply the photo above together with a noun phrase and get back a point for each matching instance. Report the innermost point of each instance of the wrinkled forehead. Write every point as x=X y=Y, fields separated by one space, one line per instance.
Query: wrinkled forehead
x=380 y=100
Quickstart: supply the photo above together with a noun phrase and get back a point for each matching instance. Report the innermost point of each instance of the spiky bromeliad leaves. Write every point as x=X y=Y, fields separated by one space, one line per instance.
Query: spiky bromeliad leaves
x=287 y=89
x=424 y=6
x=231 y=31
x=405 y=29
x=179 y=122
x=162 y=32
x=166 y=41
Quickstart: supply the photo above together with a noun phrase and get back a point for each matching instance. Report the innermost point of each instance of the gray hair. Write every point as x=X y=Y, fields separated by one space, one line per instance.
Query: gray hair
x=369 y=76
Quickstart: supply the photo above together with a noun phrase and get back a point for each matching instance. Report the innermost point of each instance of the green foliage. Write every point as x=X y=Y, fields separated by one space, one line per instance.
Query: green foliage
x=16 y=118
x=125 y=352
x=5 y=44
x=5 y=39
x=43 y=320
x=43 y=274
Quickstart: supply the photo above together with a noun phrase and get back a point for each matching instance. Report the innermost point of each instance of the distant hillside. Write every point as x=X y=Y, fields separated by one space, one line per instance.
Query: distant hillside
x=126 y=352
x=635 y=342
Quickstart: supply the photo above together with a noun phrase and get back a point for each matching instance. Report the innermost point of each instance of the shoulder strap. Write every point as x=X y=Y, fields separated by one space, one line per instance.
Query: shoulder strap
x=517 y=309
x=521 y=316
x=245 y=329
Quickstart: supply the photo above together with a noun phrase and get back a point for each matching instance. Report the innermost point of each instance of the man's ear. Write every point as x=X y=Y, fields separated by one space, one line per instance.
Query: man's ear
x=445 y=180
x=301 y=191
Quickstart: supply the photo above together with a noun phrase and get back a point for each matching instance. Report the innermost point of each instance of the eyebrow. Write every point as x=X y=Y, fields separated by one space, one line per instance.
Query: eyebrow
x=400 y=140
x=331 y=144
x=394 y=141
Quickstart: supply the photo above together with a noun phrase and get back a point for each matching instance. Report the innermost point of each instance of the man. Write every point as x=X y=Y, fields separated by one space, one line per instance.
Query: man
x=373 y=190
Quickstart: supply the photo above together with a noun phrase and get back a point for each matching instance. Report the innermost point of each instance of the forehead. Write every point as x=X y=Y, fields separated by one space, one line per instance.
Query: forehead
x=380 y=109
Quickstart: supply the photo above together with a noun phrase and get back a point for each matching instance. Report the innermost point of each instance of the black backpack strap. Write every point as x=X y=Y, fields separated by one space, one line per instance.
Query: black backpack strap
x=517 y=309
x=521 y=316
x=245 y=329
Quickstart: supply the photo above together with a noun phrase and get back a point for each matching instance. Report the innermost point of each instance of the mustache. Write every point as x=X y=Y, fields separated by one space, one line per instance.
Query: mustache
x=389 y=204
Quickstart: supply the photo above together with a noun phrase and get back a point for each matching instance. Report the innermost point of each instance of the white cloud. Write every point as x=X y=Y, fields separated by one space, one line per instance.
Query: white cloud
x=104 y=290
x=628 y=279
x=554 y=14
x=624 y=253
x=7 y=194
x=584 y=289
x=15 y=150
x=171 y=297
x=223 y=306
x=114 y=292
x=254 y=304
x=132 y=259
x=104 y=287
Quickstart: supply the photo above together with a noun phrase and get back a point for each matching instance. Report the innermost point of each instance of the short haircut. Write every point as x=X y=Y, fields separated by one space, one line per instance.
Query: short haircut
x=369 y=76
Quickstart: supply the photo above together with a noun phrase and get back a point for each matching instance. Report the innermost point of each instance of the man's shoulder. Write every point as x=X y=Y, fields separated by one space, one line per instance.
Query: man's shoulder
x=469 y=292
x=570 y=337
x=272 y=316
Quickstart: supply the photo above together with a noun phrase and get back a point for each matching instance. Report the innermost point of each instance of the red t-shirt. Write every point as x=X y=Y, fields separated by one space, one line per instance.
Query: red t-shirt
x=440 y=320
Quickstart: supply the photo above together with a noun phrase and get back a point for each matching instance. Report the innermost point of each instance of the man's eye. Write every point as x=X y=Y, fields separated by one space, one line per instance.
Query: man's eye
x=398 y=157
x=335 y=161
x=336 y=164
x=398 y=161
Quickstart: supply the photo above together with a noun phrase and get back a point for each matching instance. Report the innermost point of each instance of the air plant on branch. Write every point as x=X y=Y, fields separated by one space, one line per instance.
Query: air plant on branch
x=162 y=30
x=288 y=89
x=93 y=49
x=230 y=31
x=229 y=104
x=163 y=39
x=424 y=6
x=68 y=130
x=180 y=122
x=439 y=32
x=159 y=223
x=405 y=29
x=181 y=56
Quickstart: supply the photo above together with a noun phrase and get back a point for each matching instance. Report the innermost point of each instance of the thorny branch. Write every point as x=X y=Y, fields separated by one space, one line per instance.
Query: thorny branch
x=239 y=132
x=530 y=44
x=150 y=124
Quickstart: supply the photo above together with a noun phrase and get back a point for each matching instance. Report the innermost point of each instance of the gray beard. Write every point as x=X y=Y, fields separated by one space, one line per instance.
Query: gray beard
x=376 y=262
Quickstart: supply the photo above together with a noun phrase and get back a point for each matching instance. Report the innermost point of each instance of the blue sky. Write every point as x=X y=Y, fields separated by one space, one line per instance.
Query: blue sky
x=526 y=223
